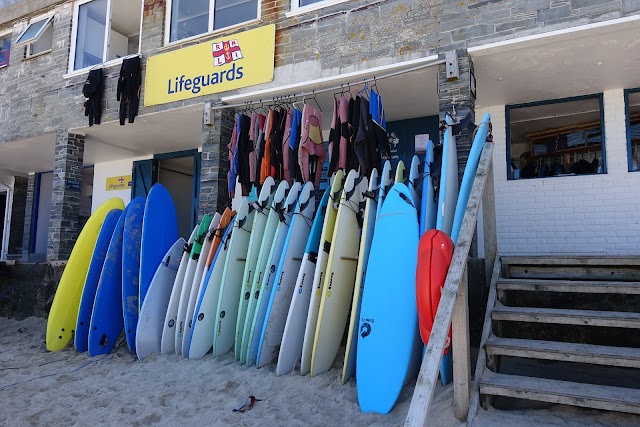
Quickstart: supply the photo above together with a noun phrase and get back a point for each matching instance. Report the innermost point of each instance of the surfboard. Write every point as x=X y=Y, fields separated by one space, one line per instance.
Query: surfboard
x=197 y=280
x=326 y=238
x=270 y=228
x=268 y=280
x=261 y=206
x=448 y=194
x=386 y=182
x=159 y=233
x=285 y=277
x=204 y=318
x=154 y=307
x=415 y=181
x=216 y=237
x=107 y=320
x=81 y=339
x=66 y=302
x=131 y=269
x=388 y=317
x=470 y=174
x=291 y=346
x=399 y=178
x=428 y=201
x=168 y=342
x=369 y=220
x=231 y=285
x=337 y=289
x=187 y=283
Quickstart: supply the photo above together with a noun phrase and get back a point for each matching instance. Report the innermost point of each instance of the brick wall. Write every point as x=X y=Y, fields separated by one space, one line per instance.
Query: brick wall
x=576 y=214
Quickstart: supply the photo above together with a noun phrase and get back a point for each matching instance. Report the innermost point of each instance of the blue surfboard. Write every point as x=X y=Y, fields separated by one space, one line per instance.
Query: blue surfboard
x=428 y=206
x=159 y=233
x=106 y=319
x=93 y=278
x=469 y=175
x=388 y=316
x=131 y=268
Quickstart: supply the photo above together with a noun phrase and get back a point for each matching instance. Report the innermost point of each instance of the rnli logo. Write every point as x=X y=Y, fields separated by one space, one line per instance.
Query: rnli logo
x=226 y=52
x=365 y=330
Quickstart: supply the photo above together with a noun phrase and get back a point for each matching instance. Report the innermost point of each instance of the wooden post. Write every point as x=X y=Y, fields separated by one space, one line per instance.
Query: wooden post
x=461 y=351
x=489 y=224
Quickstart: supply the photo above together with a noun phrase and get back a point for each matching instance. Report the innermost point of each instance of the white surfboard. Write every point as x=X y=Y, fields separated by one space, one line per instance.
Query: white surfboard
x=291 y=346
x=318 y=275
x=386 y=182
x=448 y=195
x=154 y=307
x=168 y=343
x=337 y=292
x=231 y=285
x=270 y=228
x=369 y=220
x=269 y=276
x=415 y=181
x=197 y=281
x=286 y=275
x=262 y=207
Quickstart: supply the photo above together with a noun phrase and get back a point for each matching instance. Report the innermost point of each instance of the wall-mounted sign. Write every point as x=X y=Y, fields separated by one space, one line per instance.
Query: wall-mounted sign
x=219 y=65
x=118 y=182
x=421 y=141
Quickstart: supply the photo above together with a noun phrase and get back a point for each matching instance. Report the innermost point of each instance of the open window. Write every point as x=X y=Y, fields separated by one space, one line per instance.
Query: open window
x=190 y=18
x=632 y=98
x=104 y=30
x=5 y=48
x=37 y=38
x=559 y=137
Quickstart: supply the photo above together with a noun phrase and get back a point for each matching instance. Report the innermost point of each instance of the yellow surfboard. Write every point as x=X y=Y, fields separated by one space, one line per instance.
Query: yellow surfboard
x=64 y=310
x=400 y=172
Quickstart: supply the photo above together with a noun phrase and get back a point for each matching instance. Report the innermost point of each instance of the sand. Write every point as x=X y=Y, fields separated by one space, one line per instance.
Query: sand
x=68 y=388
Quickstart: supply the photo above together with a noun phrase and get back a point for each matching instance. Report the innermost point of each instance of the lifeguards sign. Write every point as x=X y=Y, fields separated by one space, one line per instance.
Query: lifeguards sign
x=231 y=62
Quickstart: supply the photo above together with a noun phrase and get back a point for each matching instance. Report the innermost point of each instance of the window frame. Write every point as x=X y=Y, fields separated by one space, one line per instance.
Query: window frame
x=509 y=107
x=28 y=43
x=74 y=35
x=296 y=9
x=627 y=123
x=4 y=33
x=210 y=29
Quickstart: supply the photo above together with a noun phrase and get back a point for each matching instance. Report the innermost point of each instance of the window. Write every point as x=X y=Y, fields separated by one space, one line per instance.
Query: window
x=37 y=38
x=5 y=48
x=301 y=6
x=556 y=138
x=633 y=128
x=104 y=30
x=190 y=18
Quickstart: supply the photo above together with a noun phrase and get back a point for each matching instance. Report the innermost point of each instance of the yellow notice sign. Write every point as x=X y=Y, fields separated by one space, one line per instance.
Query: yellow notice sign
x=231 y=62
x=118 y=182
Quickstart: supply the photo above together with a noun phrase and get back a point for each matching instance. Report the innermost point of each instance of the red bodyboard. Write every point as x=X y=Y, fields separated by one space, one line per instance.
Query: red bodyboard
x=434 y=257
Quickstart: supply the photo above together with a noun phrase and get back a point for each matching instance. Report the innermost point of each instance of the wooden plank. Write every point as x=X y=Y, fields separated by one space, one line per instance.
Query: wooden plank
x=572 y=272
x=489 y=226
x=426 y=383
x=626 y=357
x=572 y=260
x=578 y=286
x=615 y=319
x=563 y=392
x=481 y=362
x=461 y=351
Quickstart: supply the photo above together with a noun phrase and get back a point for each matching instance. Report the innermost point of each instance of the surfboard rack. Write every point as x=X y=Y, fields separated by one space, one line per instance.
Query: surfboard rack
x=453 y=309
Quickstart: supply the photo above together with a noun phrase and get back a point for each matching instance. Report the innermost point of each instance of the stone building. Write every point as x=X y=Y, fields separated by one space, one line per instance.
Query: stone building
x=559 y=77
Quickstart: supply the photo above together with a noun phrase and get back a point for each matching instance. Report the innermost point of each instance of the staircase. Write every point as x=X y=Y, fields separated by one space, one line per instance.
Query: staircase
x=563 y=331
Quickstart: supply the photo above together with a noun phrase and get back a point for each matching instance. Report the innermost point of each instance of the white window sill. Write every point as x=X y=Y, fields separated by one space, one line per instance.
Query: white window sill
x=312 y=7
x=205 y=36
x=37 y=55
x=107 y=64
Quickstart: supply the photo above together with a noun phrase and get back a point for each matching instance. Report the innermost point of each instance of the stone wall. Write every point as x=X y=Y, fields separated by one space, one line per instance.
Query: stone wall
x=28 y=289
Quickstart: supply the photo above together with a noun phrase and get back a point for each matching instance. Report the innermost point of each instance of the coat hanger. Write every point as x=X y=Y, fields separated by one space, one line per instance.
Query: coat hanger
x=316 y=101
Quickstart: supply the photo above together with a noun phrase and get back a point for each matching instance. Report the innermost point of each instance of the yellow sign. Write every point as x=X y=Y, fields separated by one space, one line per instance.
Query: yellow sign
x=118 y=182
x=231 y=62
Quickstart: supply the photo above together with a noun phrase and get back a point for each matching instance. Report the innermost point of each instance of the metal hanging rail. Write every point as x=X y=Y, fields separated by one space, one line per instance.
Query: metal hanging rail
x=294 y=95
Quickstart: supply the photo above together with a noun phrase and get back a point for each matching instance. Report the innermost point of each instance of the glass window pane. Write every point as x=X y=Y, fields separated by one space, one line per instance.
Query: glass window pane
x=308 y=2
x=32 y=31
x=44 y=42
x=5 y=47
x=189 y=18
x=92 y=19
x=125 y=27
x=634 y=129
x=231 y=12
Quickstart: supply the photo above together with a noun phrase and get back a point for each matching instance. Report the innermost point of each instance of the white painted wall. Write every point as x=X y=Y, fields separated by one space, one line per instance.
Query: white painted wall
x=102 y=171
x=594 y=214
